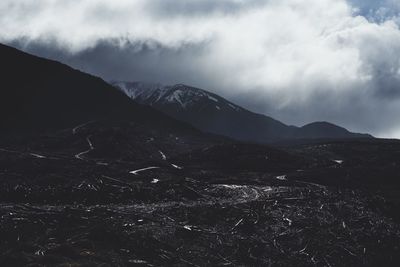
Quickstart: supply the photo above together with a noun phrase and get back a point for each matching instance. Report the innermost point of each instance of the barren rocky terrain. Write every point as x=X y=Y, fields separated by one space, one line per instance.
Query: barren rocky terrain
x=88 y=177
x=95 y=195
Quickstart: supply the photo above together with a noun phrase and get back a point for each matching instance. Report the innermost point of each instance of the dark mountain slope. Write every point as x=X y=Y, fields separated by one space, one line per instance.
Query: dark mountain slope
x=212 y=113
x=38 y=94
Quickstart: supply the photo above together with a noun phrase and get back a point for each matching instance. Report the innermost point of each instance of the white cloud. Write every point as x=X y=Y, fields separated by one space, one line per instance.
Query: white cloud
x=317 y=56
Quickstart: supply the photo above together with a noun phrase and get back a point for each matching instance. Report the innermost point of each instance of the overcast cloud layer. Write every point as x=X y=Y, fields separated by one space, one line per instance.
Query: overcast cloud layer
x=296 y=60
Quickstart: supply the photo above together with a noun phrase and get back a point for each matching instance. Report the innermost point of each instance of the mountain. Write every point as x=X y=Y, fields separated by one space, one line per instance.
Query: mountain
x=88 y=177
x=212 y=113
x=38 y=94
x=50 y=108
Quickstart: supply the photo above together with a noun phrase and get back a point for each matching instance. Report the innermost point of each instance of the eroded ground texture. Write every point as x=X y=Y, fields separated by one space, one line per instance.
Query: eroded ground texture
x=102 y=196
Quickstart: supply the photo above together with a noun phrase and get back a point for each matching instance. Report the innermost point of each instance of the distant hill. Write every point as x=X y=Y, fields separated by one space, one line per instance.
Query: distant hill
x=212 y=113
x=325 y=129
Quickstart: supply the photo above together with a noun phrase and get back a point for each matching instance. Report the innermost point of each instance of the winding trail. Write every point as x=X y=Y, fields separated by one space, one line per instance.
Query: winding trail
x=75 y=129
x=81 y=154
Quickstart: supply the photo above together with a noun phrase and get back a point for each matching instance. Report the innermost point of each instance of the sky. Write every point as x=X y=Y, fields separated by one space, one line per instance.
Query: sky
x=298 y=61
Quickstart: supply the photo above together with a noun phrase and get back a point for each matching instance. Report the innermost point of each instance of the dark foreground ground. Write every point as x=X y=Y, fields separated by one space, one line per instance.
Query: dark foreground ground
x=87 y=197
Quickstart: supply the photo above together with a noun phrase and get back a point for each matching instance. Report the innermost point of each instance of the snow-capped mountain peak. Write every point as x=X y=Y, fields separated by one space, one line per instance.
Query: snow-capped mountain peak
x=181 y=96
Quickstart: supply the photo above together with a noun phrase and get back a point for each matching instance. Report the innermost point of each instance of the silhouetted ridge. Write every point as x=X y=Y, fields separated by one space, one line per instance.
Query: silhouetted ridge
x=212 y=113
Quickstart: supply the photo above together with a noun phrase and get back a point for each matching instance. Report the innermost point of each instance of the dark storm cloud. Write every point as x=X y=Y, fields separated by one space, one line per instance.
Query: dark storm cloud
x=148 y=62
x=201 y=7
x=298 y=61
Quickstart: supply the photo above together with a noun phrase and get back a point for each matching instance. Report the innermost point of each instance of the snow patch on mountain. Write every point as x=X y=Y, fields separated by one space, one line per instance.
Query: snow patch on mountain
x=212 y=98
x=180 y=95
